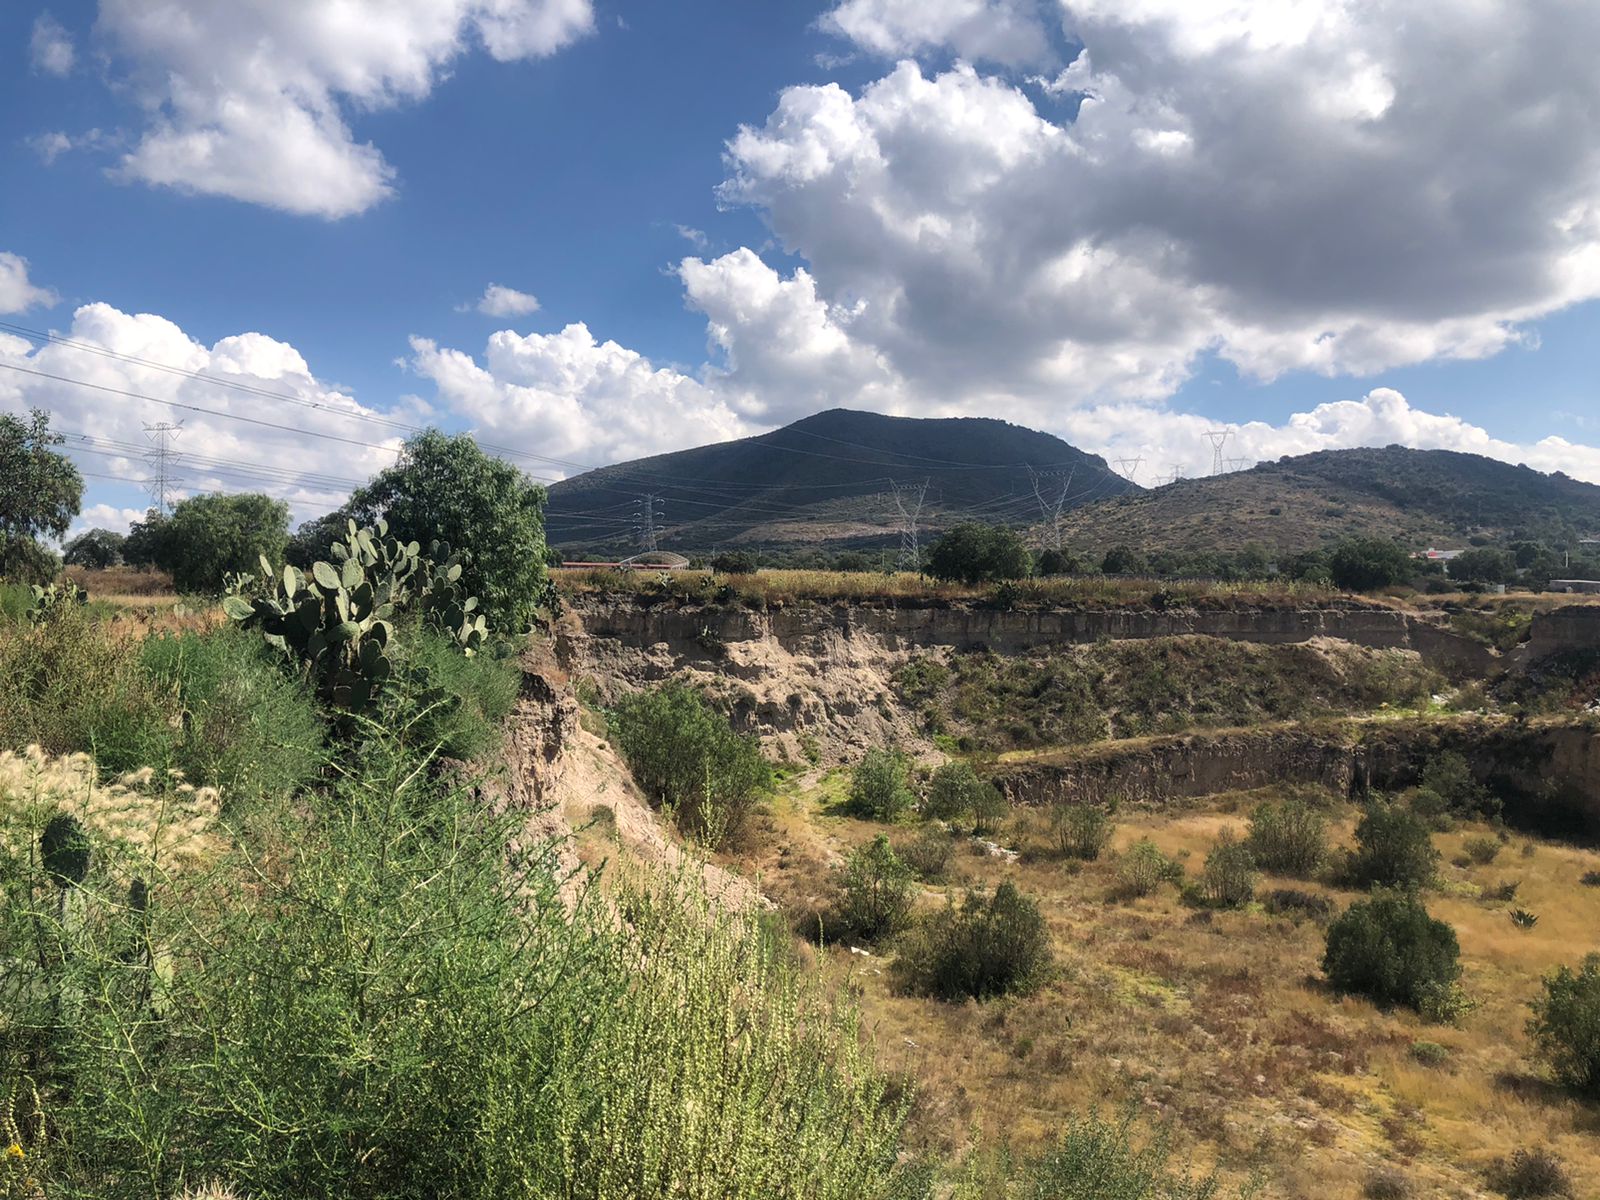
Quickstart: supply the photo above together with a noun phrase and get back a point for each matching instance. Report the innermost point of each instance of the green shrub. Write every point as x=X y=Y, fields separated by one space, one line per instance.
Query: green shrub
x=1393 y=849
x=1529 y=1175
x=986 y=946
x=876 y=891
x=1081 y=831
x=972 y=552
x=1481 y=850
x=475 y=695
x=1292 y=902
x=878 y=788
x=989 y=812
x=928 y=853
x=1142 y=868
x=208 y=538
x=1289 y=838
x=1448 y=775
x=689 y=760
x=954 y=792
x=1229 y=877
x=1565 y=1026
x=1365 y=564
x=1099 y=1159
x=1386 y=1183
x=1390 y=950
x=1430 y=1054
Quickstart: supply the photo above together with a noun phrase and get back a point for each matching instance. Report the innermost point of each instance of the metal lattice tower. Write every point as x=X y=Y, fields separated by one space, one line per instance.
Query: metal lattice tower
x=1050 y=507
x=908 y=503
x=647 y=511
x=1218 y=438
x=1237 y=464
x=1129 y=467
x=162 y=459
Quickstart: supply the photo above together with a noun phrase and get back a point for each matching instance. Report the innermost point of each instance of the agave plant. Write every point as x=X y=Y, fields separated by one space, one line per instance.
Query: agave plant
x=1523 y=919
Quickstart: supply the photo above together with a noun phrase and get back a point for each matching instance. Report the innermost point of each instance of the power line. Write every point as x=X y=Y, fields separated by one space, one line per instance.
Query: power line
x=1218 y=438
x=162 y=457
x=910 y=551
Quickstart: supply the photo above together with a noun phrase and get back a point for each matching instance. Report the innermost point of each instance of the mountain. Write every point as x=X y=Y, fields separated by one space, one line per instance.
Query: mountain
x=1420 y=497
x=830 y=478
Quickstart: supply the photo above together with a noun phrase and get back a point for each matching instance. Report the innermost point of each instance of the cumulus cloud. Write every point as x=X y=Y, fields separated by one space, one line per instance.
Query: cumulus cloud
x=251 y=99
x=1170 y=441
x=104 y=421
x=500 y=301
x=1339 y=186
x=104 y=516
x=17 y=293
x=1010 y=32
x=50 y=48
x=568 y=396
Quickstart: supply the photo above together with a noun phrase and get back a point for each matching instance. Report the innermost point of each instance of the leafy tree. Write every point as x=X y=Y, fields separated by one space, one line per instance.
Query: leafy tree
x=972 y=552
x=689 y=760
x=1081 y=831
x=96 y=548
x=1290 y=838
x=737 y=562
x=1052 y=562
x=313 y=540
x=1364 y=564
x=1393 y=848
x=988 y=946
x=955 y=792
x=207 y=538
x=1565 y=1026
x=40 y=492
x=878 y=787
x=1390 y=950
x=1124 y=560
x=445 y=487
x=1483 y=565
x=876 y=892
x=1229 y=877
x=145 y=544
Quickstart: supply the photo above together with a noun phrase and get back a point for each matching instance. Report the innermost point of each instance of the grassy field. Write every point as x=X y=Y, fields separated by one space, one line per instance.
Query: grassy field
x=1219 y=1021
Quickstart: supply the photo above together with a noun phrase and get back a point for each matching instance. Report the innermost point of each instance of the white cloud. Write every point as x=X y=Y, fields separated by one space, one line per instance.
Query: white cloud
x=500 y=301
x=50 y=48
x=17 y=293
x=104 y=516
x=1382 y=417
x=219 y=453
x=1010 y=32
x=1340 y=186
x=251 y=99
x=567 y=396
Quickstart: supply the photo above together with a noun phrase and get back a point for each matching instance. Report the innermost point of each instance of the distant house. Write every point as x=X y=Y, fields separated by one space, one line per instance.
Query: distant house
x=1587 y=586
x=1433 y=555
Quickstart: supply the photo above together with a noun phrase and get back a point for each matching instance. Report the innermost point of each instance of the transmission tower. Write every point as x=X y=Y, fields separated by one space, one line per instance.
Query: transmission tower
x=1218 y=438
x=908 y=502
x=1237 y=464
x=1050 y=506
x=162 y=459
x=1129 y=467
x=647 y=510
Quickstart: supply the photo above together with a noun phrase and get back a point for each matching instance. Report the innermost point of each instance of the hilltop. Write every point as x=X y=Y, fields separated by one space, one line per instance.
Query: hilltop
x=1421 y=497
x=828 y=478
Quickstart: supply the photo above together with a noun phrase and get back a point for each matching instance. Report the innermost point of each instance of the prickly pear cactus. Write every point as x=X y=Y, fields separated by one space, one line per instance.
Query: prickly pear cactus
x=54 y=598
x=338 y=621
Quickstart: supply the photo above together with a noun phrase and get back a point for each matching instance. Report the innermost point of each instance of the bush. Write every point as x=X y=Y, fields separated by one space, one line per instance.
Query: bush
x=736 y=563
x=876 y=891
x=971 y=552
x=1385 y=1183
x=1142 y=868
x=446 y=488
x=689 y=761
x=1565 y=1026
x=954 y=792
x=1290 y=838
x=928 y=853
x=989 y=812
x=1480 y=850
x=878 y=788
x=1393 y=849
x=1390 y=950
x=986 y=946
x=1229 y=877
x=1529 y=1175
x=1366 y=564
x=208 y=538
x=1430 y=1054
x=1097 y=1159
x=1449 y=776
x=473 y=695
x=1081 y=831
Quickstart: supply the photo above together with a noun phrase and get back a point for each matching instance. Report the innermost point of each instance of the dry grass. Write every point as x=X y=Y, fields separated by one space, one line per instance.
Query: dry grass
x=775 y=587
x=1219 y=1021
x=122 y=581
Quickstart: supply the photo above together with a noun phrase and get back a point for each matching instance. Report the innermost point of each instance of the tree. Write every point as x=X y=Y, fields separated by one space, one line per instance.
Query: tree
x=1364 y=564
x=1565 y=1026
x=1393 y=849
x=988 y=946
x=954 y=792
x=972 y=552
x=96 y=548
x=876 y=891
x=207 y=538
x=1484 y=565
x=878 y=788
x=313 y=540
x=145 y=545
x=735 y=562
x=1390 y=950
x=446 y=488
x=1124 y=560
x=40 y=492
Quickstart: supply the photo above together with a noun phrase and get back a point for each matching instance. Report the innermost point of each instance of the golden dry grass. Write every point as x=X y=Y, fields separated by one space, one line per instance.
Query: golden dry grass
x=1220 y=1021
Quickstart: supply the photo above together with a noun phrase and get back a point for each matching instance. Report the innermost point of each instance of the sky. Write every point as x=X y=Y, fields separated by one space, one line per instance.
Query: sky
x=587 y=231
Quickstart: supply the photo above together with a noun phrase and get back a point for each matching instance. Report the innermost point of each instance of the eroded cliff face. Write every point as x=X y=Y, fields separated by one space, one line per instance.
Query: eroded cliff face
x=817 y=680
x=1561 y=631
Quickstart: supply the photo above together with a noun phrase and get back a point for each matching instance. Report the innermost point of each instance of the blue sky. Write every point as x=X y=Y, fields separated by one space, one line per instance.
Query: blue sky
x=1122 y=223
